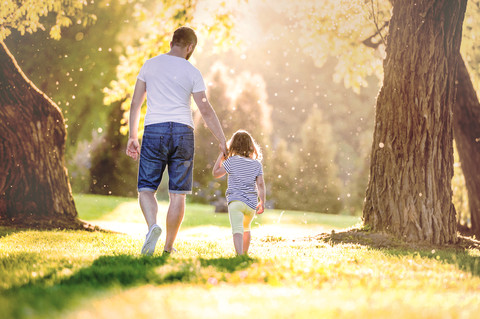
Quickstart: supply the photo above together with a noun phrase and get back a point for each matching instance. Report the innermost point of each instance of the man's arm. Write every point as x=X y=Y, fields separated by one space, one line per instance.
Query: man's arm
x=210 y=117
x=261 y=194
x=139 y=94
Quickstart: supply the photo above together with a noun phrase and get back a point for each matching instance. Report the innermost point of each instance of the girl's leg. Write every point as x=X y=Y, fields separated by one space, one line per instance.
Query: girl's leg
x=238 y=243
x=236 y=220
x=246 y=241
x=249 y=214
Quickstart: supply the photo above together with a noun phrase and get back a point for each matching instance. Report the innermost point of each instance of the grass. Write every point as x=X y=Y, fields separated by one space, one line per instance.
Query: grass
x=111 y=208
x=72 y=274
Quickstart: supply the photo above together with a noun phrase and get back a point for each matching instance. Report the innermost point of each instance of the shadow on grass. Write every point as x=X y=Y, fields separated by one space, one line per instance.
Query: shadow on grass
x=462 y=259
x=230 y=264
x=465 y=255
x=4 y=231
x=51 y=294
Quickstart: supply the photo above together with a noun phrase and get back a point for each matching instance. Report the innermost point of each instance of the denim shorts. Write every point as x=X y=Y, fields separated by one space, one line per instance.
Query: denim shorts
x=169 y=145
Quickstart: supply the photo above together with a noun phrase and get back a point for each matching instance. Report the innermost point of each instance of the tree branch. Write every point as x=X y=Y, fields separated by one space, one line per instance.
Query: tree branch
x=376 y=23
x=369 y=41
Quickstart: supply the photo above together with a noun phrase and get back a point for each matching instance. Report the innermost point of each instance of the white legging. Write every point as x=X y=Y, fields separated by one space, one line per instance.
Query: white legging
x=241 y=216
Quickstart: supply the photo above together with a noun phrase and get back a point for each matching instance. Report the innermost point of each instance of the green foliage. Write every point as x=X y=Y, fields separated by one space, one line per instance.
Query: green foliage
x=341 y=29
x=470 y=48
x=113 y=173
x=281 y=175
x=26 y=16
x=317 y=181
x=460 y=194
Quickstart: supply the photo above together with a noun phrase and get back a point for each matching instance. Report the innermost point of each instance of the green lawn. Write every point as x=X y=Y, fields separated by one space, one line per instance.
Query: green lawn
x=111 y=208
x=76 y=274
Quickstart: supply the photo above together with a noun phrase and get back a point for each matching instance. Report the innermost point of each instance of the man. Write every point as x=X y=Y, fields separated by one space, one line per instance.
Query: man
x=168 y=81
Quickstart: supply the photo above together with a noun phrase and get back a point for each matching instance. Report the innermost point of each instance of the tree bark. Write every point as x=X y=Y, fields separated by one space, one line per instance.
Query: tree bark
x=409 y=193
x=34 y=187
x=466 y=129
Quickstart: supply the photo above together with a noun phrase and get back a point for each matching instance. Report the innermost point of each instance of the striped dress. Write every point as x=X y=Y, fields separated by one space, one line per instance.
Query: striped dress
x=242 y=176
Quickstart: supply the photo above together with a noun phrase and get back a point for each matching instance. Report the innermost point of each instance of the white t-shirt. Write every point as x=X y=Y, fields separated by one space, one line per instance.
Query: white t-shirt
x=170 y=82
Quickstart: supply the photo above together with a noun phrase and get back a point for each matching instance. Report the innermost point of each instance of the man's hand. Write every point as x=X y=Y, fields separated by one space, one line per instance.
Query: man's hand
x=133 y=148
x=260 y=208
x=223 y=149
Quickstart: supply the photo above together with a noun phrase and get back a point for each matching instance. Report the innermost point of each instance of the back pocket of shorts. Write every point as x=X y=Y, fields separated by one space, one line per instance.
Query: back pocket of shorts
x=186 y=147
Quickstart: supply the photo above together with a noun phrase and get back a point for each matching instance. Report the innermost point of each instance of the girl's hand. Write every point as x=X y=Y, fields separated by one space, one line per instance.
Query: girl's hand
x=260 y=208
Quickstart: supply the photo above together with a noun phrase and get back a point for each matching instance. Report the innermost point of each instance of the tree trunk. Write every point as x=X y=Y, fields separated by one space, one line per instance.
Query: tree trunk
x=409 y=193
x=34 y=187
x=466 y=129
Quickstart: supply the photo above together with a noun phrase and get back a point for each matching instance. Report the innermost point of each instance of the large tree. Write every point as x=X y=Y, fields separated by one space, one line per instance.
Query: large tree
x=34 y=187
x=409 y=193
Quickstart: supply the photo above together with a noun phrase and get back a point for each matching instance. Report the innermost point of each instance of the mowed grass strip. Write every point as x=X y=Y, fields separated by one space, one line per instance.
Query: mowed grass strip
x=122 y=209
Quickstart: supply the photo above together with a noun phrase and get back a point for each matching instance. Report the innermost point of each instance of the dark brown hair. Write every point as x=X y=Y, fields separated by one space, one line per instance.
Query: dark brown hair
x=243 y=144
x=184 y=36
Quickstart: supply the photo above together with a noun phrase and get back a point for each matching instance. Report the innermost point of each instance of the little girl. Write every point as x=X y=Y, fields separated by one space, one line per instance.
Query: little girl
x=245 y=185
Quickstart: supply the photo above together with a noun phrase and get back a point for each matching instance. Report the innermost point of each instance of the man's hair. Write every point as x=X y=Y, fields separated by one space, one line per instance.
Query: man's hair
x=184 y=36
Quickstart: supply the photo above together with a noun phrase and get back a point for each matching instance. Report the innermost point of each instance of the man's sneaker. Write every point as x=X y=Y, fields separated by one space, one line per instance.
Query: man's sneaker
x=151 y=240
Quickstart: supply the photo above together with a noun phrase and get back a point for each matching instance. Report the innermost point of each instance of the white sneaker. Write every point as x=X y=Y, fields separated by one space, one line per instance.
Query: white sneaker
x=151 y=240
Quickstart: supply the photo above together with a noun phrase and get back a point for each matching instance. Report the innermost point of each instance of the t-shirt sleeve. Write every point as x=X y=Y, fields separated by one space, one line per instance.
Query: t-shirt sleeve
x=198 y=83
x=227 y=165
x=260 y=169
x=141 y=74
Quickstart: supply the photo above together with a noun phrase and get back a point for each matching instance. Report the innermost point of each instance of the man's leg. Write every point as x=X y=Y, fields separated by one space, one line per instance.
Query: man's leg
x=149 y=206
x=176 y=211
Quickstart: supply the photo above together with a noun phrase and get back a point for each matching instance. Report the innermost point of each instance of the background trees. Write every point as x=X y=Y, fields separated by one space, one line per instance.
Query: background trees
x=273 y=73
x=84 y=61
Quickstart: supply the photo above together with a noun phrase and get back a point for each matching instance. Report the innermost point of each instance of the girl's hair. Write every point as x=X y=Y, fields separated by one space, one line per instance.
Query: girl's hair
x=243 y=144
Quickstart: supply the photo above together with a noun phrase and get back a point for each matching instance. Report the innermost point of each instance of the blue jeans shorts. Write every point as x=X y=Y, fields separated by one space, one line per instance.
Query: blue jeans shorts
x=169 y=145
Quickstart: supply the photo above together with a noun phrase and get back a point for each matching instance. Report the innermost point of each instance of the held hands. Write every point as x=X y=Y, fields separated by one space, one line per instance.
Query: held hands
x=223 y=149
x=260 y=208
x=133 y=148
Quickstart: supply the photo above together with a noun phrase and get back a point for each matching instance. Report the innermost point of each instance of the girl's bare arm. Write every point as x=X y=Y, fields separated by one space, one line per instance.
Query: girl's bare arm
x=261 y=194
x=218 y=170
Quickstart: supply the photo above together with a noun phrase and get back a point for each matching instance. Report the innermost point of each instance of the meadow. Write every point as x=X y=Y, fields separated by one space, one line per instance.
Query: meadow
x=291 y=272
